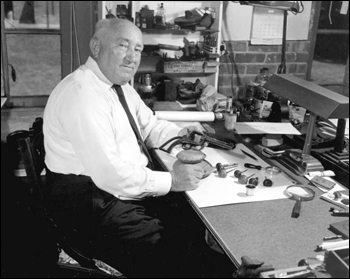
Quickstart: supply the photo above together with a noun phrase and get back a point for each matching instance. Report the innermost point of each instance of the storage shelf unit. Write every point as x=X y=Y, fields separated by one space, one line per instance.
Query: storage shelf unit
x=175 y=37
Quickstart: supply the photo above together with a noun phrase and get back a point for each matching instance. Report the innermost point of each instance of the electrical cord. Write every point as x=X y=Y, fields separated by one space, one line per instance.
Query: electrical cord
x=329 y=12
x=76 y=33
x=74 y=38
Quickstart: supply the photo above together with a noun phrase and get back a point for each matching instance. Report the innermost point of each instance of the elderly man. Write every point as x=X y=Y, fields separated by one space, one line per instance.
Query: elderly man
x=104 y=192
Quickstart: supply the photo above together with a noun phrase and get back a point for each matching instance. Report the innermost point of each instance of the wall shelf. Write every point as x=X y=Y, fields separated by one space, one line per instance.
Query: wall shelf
x=176 y=31
x=165 y=31
x=152 y=37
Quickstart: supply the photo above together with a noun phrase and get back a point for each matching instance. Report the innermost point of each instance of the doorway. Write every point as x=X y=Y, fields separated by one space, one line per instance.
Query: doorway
x=332 y=45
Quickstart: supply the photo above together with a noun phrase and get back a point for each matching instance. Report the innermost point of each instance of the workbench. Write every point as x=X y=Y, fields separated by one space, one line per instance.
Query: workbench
x=265 y=230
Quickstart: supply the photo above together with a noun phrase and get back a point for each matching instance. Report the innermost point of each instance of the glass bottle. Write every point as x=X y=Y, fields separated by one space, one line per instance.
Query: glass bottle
x=137 y=20
x=144 y=23
x=161 y=12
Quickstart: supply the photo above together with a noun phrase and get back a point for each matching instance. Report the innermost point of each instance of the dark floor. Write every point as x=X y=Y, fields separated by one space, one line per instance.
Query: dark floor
x=28 y=248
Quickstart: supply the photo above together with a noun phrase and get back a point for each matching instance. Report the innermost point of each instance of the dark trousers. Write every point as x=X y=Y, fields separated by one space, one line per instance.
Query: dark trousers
x=155 y=237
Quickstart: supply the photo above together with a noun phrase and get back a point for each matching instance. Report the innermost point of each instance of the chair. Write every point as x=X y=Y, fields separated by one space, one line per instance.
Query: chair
x=33 y=154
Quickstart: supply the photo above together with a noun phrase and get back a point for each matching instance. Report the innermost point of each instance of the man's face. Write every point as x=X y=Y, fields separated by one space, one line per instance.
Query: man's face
x=119 y=55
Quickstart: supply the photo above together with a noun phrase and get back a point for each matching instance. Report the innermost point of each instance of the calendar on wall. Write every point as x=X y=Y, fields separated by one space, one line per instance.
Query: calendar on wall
x=267 y=26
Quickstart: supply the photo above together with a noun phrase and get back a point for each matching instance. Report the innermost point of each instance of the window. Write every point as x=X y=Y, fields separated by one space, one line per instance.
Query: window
x=30 y=48
x=41 y=43
x=37 y=62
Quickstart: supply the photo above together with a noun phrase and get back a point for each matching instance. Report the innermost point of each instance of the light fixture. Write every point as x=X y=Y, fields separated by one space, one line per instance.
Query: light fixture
x=292 y=6
x=319 y=101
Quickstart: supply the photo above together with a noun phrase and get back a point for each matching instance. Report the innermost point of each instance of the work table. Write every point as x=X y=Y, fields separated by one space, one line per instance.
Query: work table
x=265 y=230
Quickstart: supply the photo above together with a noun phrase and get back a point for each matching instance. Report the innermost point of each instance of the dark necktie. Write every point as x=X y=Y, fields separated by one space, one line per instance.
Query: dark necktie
x=140 y=141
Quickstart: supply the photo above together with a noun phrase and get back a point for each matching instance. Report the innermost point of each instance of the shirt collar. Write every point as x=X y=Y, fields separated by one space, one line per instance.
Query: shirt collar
x=92 y=65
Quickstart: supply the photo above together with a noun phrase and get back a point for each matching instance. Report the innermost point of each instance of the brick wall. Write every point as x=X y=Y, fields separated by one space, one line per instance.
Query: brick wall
x=242 y=62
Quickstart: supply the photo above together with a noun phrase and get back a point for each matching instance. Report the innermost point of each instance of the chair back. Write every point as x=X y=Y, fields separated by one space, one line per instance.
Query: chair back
x=33 y=155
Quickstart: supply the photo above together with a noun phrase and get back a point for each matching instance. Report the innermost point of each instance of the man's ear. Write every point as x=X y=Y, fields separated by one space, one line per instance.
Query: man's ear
x=94 y=47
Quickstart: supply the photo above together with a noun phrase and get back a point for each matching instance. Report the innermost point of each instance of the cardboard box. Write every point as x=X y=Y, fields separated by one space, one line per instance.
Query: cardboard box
x=183 y=66
x=189 y=67
x=336 y=263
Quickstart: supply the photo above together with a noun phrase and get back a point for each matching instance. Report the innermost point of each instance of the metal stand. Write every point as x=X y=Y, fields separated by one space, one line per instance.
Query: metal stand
x=282 y=67
x=301 y=162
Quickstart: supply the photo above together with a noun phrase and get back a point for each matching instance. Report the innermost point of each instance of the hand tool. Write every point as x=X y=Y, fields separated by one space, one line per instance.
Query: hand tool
x=252 y=166
x=249 y=155
x=298 y=193
x=270 y=170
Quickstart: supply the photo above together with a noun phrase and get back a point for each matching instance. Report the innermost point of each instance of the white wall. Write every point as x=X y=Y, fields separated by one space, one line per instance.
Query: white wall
x=237 y=21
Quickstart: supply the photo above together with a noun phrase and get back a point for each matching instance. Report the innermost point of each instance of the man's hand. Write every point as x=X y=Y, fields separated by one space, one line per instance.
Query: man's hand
x=188 y=130
x=185 y=177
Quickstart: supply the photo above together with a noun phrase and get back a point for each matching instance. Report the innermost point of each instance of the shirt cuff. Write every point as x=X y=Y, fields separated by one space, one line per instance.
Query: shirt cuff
x=162 y=183
x=175 y=132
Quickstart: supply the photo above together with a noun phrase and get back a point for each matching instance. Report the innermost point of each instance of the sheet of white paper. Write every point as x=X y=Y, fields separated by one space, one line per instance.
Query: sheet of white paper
x=214 y=190
x=266 y=128
x=186 y=116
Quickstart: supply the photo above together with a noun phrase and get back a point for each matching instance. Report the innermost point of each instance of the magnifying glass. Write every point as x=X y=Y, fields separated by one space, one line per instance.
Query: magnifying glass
x=273 y=170
x=299 y=193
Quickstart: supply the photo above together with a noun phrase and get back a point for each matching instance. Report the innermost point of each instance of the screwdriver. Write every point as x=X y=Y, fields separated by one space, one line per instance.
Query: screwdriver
x=252 y=166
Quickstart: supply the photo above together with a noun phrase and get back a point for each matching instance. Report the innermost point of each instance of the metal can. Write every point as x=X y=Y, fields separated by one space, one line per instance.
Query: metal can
x=148 y=79
x=250 y=190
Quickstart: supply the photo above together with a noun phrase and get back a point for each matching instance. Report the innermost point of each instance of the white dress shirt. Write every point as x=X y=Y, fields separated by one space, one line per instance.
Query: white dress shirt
x=87 y=132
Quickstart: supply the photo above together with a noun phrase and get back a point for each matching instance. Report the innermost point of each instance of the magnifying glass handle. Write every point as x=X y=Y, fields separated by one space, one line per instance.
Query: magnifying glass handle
x=296 y=208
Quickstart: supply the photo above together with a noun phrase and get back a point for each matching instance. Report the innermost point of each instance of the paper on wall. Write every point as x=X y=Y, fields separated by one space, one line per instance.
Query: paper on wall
x=265 y=109
x=296 y=112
